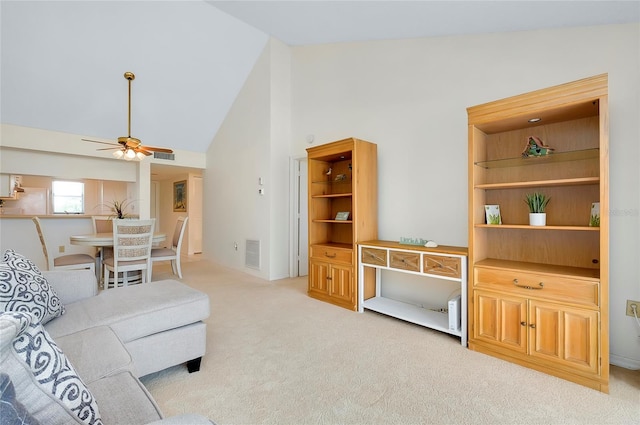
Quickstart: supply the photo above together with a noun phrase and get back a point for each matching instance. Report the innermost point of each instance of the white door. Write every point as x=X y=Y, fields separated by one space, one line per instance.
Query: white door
x=303 y=217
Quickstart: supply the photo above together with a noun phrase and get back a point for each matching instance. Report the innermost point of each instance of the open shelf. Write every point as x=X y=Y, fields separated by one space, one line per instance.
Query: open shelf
x=537 y=160
x=411 y=313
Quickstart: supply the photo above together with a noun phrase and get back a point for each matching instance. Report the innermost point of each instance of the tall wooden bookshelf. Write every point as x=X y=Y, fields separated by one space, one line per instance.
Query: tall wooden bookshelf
x=342 y=179
x=538 y=296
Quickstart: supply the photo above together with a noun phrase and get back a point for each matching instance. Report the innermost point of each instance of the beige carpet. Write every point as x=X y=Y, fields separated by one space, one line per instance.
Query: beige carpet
x=276 y=356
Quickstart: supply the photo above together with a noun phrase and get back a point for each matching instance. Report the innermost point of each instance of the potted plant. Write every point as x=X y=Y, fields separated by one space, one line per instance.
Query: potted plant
x=537 y=203
x=118 y=208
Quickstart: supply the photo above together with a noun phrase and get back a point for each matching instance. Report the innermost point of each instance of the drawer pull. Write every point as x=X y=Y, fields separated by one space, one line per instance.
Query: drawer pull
x=330 y=256
x=515 y=282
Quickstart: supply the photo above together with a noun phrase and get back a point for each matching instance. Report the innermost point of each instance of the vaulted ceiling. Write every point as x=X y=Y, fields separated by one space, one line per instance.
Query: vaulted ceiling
x=62 y=62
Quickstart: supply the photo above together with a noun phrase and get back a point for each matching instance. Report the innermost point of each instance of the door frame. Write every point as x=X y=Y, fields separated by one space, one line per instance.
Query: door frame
x=294 y=199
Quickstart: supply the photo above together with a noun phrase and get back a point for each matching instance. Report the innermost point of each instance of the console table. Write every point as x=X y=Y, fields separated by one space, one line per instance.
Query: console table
x=442 y=262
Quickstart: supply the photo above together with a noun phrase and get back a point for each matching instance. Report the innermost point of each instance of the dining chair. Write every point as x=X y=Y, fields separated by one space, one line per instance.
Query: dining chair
x=172 y=254
x=102 y=224
x=69 y=261
x=132 y=242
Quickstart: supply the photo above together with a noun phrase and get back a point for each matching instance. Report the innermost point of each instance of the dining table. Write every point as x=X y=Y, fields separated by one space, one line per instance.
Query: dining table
x=104 y=240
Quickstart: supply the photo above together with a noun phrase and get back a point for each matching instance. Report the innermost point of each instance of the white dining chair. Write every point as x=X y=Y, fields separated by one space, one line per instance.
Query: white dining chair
x=69 y=261
x=172 y=254
x=132 y=242
x=102 y=224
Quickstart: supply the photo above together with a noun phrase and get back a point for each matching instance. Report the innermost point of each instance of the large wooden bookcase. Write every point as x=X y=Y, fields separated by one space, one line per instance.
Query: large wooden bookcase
x=538 y=296
x=342 y=178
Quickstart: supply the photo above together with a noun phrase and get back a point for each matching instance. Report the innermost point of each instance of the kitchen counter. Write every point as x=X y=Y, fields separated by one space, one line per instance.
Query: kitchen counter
x=45 y=216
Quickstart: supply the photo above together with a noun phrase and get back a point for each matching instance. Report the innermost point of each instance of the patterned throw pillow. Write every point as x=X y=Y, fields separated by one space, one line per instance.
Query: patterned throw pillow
x=45 y=381
x=24 y=288
x=12 y=412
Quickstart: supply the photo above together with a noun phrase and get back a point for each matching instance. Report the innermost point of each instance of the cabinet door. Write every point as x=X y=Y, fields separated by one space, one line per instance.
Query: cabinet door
x=341 y=284
x=500 y=320
x=565 y=335
x=318 y=274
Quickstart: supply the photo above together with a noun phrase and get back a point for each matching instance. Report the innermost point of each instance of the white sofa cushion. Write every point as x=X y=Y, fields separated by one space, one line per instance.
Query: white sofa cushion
x=24 y=288
x=45 y=381
x=135 y=311
x=95 y=353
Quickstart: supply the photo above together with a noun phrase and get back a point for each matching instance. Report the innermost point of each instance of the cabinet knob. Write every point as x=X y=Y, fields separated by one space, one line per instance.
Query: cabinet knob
x=523 y=323
x=532 y=326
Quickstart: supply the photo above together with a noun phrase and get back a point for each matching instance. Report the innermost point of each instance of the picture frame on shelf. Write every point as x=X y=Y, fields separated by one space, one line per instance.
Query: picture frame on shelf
x=492 y=214
x=180 y=196
x=342 y=216
x=594 y=218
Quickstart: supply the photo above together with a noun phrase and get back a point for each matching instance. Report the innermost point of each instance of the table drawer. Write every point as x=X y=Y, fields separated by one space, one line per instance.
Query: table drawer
x=558 y=288
x=405 y=260
x=377 y=257
x=443 y=266
x=331 y=254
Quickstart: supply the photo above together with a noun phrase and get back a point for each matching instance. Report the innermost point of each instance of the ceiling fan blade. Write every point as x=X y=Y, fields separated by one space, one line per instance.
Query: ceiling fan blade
x=108 y=149
x=144 y=151
x=97 y=141
x=153 y=148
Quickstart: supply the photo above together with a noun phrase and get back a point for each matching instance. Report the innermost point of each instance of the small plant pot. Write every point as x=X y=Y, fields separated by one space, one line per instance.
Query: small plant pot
x=537 y=219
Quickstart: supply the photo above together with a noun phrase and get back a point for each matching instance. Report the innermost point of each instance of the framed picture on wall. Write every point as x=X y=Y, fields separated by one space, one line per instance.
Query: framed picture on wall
x=180 y=196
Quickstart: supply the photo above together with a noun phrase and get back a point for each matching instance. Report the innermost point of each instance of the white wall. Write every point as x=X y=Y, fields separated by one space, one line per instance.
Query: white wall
x=280 y=151
x=253 y=143
x=410 y=97
x=238 y=157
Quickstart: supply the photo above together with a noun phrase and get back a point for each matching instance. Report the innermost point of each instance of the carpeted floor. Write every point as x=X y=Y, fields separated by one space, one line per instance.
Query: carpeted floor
x=276 y=356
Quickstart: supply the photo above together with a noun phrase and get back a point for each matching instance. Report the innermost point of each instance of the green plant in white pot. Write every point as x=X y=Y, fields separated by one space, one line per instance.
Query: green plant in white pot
x=537 y=203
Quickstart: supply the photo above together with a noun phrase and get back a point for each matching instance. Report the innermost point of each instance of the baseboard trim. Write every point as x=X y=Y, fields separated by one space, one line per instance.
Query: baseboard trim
x=624 y=362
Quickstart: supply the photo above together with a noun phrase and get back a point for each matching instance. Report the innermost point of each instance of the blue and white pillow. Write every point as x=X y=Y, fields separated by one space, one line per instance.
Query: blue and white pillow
x=24 y=288
x=45 y=381
x=12 y=412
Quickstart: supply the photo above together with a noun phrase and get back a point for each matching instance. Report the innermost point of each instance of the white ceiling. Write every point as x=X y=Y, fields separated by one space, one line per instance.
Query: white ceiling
x=62 y=62
x=305 y=22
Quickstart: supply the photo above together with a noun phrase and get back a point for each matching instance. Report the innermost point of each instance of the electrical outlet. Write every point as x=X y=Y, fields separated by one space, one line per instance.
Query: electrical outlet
x=630 y=310
x=61 y=248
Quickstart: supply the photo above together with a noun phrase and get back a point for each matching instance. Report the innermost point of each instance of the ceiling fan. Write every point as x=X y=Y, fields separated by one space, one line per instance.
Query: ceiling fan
x=128 y=147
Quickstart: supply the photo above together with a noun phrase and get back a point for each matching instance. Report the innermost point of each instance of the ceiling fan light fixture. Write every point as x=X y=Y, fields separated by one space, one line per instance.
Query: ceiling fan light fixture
x=130 y=148
x=129 y=154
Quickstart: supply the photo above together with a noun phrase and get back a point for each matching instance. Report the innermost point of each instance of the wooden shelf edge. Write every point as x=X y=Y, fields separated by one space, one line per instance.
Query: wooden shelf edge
x=548 y=269
x=334 y=195
x=334 y=221
x=556 y=182
x=527 y=227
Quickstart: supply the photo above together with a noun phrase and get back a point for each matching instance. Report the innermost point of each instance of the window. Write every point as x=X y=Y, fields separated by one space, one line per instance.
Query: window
x=68 y=197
